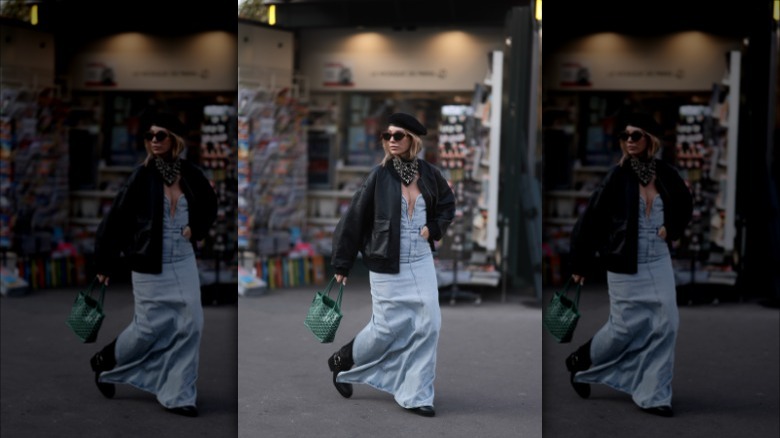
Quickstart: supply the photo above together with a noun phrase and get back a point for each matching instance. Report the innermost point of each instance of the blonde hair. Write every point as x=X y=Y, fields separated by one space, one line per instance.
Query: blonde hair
x=414 y=148
x=653 y=146
x=177 y=147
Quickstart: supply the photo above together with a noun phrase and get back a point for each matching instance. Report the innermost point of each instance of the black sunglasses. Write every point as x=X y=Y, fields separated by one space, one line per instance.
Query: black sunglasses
x=397 y=136
x=634 y=136
x=160 y=136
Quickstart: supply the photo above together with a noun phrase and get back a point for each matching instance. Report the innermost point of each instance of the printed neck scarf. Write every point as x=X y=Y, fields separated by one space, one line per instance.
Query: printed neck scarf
x=406 y=169
x=644 y=170
x=168 y=171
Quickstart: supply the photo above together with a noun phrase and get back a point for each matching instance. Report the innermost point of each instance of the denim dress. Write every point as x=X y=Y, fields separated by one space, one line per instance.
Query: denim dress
x=396 y=351
x=159 y=351
x=634 y=351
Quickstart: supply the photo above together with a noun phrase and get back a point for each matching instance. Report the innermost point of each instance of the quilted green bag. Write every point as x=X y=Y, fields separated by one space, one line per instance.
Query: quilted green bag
x=324 y=314
x=86 y=314
x=562 y=314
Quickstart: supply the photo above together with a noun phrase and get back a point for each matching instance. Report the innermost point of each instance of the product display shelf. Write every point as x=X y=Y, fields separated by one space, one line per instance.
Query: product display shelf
x=272 y=175
x=706 y=254
x=217 y=158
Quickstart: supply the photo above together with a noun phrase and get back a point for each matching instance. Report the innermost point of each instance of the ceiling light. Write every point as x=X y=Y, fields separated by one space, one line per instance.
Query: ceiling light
x=776 y=11
x=539 y=9
x=272 y=15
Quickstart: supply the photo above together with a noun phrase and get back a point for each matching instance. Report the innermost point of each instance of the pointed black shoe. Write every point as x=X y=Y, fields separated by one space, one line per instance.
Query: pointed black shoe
x=107 y=389
x=582 y=389
x=662 y=411
x=336 y=366
x=187 y=411
x=425 y=411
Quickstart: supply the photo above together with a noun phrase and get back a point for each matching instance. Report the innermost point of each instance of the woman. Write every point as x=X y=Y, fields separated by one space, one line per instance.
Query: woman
x=640 y=206
x=166 y=205
x=403 y=206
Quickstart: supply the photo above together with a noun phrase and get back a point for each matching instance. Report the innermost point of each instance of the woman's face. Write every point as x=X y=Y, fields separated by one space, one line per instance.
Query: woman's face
x=634 y=140
x=397 y=147
x=158 y=140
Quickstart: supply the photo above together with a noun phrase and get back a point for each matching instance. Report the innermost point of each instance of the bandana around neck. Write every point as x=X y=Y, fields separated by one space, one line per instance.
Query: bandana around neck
x=644 y=170
x=168 y=171
x=406 y=169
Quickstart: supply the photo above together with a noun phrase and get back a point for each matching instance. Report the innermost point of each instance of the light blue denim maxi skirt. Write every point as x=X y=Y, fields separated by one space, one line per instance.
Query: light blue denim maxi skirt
x=159 y=351
x=396 y=351
x=634 y=351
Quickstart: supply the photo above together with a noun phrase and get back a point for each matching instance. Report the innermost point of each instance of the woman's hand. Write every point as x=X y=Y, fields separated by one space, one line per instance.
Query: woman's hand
x=186 y=232
x=662 y=232
x=424 y=232
x=578 y=279
x=341 y=279
x=102 y=279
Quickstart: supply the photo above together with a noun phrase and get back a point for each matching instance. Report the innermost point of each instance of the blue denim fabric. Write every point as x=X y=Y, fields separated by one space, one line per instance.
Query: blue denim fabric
x=634 y=351
x=396 y=351
x=159 y=351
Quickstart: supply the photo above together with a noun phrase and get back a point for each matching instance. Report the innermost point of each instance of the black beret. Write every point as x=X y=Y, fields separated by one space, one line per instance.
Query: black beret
x=403 y=120
x=164 y=120
x=645 y=122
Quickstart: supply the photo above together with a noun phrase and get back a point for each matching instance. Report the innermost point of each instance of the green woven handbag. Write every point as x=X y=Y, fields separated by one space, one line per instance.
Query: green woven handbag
x=562 y=314
x=86 y=314
x=324 y=314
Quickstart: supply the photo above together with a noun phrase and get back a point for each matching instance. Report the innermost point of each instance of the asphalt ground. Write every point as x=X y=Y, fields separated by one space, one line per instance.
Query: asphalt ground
x=48 y=387
x=262 y=374
x=488 y=374
x=726 y=376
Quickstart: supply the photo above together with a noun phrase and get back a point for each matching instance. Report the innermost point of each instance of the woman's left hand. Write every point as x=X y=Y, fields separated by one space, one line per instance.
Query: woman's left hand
x=186 y=232
x=424 y=232
x=662 y=232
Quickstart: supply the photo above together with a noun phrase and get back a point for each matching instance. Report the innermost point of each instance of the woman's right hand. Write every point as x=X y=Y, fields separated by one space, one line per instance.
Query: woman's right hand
x=102 y=279
x=578 y=279
x=341 y=279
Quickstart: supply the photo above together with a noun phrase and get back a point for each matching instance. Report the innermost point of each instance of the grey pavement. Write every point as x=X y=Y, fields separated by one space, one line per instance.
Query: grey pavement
x=726 y=382
x=488 y=382
x=48 y=387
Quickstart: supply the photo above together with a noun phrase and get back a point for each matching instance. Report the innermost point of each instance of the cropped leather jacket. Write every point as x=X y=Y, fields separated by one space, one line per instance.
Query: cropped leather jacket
x=609 y=225
x=372 y=224
x=133 y=225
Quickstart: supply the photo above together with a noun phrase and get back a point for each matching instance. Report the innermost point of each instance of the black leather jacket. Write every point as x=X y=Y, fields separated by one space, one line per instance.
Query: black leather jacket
x=133 y=226
x=372 y=224
x=609 y=225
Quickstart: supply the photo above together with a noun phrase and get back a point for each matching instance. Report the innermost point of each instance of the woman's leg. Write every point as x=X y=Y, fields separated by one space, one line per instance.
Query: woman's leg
x=342 y=361
x=104 y=360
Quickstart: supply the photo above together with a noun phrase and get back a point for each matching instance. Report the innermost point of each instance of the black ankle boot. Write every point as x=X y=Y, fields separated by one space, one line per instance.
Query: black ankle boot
x=579 y=361
x=342 y=361
x=104 y=360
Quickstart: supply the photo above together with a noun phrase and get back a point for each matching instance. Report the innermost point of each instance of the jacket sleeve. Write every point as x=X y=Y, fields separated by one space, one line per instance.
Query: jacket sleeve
x=445 y=208
x=116 y=229
x=589 y=230
x=682 y=205
x=206 y=198
x=349 y=234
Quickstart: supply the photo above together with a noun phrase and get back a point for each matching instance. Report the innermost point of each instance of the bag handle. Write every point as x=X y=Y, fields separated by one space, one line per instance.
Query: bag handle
x=566 y=290
x=341 y=290
x=102 y=290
